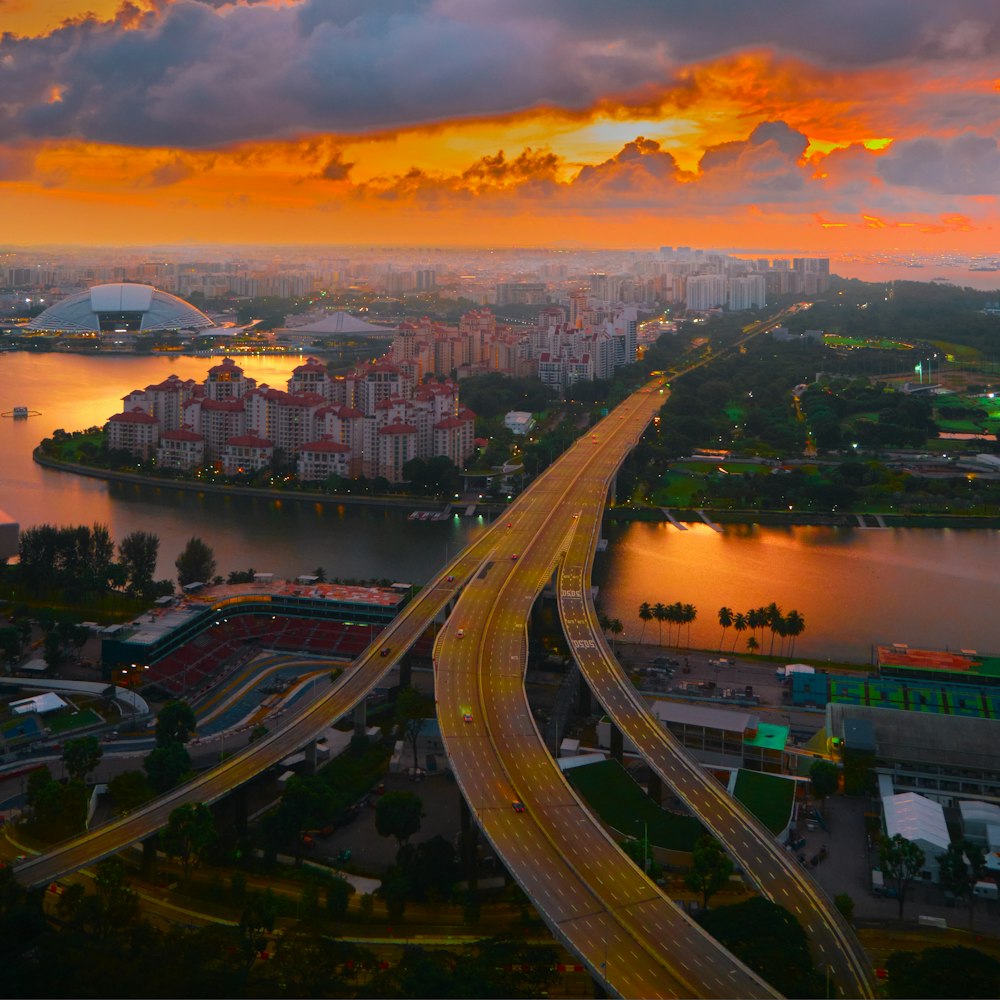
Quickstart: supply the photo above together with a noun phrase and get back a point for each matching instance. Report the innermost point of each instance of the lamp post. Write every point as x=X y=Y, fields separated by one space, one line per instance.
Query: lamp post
x=645 y=847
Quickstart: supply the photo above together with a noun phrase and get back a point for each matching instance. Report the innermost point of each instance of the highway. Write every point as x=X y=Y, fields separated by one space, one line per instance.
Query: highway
x=302 y=726
x=592 y=896
x=775 y=871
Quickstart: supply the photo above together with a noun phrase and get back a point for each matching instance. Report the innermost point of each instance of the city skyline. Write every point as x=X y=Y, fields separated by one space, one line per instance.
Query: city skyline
x=867 y=128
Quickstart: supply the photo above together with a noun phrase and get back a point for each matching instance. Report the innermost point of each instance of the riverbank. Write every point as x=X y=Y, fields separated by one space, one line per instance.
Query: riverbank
x=793 y=518
x=258 y=492
x=802 y=518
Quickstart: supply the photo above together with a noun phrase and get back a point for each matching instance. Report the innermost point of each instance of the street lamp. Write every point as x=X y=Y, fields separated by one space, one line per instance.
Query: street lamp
x=645 y=847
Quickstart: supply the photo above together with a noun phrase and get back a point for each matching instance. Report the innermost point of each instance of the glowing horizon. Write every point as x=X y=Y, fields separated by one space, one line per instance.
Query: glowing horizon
x=485 y=123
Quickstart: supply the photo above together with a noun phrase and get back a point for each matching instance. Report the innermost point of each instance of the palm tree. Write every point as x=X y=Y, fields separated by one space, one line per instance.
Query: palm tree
x=740 y=625
x=772 y=615
x=781 y=627
x=794 y=626
x=660 y=614
x=604 y=622
x=752 y=644
x=615 y=626
x=756 y=618
x=690 y=613
x=725 y=620
x=646 y=614
x=677 y=617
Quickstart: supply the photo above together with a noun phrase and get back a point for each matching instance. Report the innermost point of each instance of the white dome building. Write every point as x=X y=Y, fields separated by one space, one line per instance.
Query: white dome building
x=120 y=307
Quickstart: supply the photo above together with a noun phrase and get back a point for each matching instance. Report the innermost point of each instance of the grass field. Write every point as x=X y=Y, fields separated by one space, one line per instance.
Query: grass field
x=64 y=721
x=767 y=796
x=622 y=804
x=880 y=343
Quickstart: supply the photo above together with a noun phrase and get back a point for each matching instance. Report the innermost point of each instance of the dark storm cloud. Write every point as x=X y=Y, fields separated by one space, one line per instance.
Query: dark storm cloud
x=198 y=74
x=195 y=76
x=968 y=164
x=850 y=32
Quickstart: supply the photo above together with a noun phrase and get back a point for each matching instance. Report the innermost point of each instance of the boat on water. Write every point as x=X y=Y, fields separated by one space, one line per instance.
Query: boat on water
x=21 y=413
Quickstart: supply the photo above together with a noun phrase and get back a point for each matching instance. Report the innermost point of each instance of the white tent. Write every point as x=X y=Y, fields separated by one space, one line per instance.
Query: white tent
x=338 y=323
x=40 y=703
x=920 y=820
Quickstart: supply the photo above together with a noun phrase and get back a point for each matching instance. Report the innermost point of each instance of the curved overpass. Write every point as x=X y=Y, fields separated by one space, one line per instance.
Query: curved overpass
x=633 y=939
x=587 y=889
x=776 y=873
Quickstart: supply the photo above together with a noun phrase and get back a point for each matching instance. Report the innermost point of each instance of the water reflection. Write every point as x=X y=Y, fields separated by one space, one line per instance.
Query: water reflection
x=854 y=587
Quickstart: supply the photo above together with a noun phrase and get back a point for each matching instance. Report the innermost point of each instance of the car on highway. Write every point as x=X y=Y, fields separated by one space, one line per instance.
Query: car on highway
x=510 y=524
x=386 y=650
x=467 y=717
x=460 y=634
x=518 y=806
x=514 y=557
x=451 y=579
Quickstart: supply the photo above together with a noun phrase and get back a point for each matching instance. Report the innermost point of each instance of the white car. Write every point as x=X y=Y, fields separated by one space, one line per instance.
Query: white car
x=460 y=634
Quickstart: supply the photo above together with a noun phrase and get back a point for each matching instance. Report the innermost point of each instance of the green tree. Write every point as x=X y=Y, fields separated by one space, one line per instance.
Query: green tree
x=660 y=613
x=688 y=614
x=645 y=616
x=412 y=709
x=256 y=924
x=710 y=868
x=81 y=756
x=130 y=789
x=824 y=777
x=615 y=627
x=795 y=625
x=117 y=903
x=725 y=620
x=196 y=563
x=167 y=767
x=845 y=904
x=338 y=897
x=398 y=814
x=770 y=940
x=961 y=866
x=175 y=723
x=902 y=861
x=307 y=802
x=189 y=833
x=956 y=973
x=739 y=626
x=137 y=553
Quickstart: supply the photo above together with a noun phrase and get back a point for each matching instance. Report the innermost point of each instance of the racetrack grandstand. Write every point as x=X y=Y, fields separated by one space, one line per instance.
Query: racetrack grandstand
x=186 y=645
x=930 y=696
x=966 y=666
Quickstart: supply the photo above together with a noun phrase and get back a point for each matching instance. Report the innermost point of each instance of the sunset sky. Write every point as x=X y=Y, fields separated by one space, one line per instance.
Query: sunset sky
x=761 y=124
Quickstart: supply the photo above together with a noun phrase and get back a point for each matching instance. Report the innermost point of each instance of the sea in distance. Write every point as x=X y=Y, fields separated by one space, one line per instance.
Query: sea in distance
x=853 y=586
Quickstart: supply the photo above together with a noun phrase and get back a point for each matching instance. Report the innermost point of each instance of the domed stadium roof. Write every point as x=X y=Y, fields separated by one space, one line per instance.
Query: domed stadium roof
x=122 y=306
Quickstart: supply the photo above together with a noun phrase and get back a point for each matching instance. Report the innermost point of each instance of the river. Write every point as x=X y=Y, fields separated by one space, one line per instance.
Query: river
x=853 y=586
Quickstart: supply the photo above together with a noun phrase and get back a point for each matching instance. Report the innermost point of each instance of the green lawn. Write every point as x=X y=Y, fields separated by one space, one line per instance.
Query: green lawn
x=66 y=720
x=880 y=343
x=610 y=791
x=768 y=796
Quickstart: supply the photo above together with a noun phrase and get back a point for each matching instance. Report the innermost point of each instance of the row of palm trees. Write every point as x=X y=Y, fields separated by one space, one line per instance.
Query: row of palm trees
x=673 y=614
x=786 y=626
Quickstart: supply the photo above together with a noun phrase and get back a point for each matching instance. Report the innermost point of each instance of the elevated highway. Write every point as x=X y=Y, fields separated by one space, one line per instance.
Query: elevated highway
x=589 y=892
x=632 y=938
x=774 y=871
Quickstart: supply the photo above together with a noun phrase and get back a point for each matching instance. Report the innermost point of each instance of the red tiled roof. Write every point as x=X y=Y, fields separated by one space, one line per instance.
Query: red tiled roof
x=397 y=429
x=136 y=416
x=250 y=441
